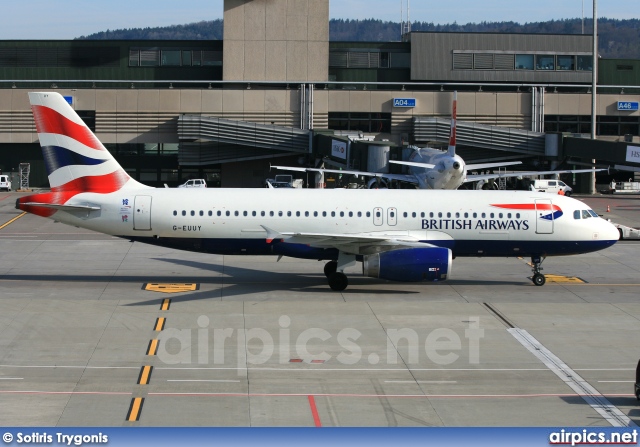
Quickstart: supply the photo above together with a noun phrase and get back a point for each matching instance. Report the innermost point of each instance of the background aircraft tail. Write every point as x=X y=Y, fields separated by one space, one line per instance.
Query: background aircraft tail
x=452 y=137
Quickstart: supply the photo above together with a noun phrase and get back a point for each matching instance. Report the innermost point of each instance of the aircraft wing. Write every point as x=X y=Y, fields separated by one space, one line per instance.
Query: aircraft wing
x=413 y=163
x=401 y=177
x=356 y=243
x=475 y=178
x=471 y=167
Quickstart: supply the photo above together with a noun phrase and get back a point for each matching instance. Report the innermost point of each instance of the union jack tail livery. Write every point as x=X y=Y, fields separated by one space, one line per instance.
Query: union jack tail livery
x=76 y=161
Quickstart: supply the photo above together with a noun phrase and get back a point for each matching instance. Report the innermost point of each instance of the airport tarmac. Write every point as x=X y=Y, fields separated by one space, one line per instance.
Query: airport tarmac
x=98 y=331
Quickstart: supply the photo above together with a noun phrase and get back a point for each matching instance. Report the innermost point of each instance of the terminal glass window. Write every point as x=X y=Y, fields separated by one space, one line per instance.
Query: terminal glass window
x=584 y=63
x=361 y=121
x=566 y=63
x=545 y=62
x=524 y=61
x=171 y=58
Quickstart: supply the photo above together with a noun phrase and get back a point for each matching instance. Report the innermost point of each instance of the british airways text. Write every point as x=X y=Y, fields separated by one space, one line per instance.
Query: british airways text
x=469 y=224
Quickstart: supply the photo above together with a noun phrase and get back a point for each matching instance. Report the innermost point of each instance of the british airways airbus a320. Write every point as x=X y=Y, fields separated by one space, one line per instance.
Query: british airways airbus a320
x=400 y=235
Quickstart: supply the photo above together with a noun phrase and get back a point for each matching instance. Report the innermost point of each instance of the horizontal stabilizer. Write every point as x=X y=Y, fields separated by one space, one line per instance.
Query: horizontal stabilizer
x=64 y=207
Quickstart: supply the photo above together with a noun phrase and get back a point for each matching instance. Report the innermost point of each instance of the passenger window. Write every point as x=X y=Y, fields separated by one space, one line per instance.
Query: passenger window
x=341 y=213
x=175 y=213
x=228 y=213
x=457 y=215
x=324 y=214
x=466 y=215
x=219 y=213
x=359 y=213
x=586 y=214
x=448 y=214
x=333 y=214
x=297 y=213
x=369 y=214
x=280 y=213
x=262 y=213
x=439 y=214
x=350 y=213
x=576 y=214
x=201 y=213
x=431 y=214
x=414 y=215
x=193 y=213
x=500 y=215
x=392 y=214
x=517 y=215
x=210 y=213
x=404 y=214
x=306 y=214
x=315 y=214
x=377 y=213
x=422 y=214
x=254 y=214
x=508 y=215
x=491 y=215
x=288 y=213
x=484 y=215
x=271 y=213
x=245 y=213
x=236 y=213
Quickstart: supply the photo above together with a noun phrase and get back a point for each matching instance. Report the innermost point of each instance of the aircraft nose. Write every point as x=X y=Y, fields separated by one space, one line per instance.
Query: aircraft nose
x=610 y=232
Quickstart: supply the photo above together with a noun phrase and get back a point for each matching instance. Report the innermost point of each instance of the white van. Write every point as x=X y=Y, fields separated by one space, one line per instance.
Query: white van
x=5 y=183
x=552 y=186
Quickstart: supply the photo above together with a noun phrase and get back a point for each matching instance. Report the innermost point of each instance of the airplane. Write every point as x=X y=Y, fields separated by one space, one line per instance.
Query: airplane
x=398 y=235
x=431 y=168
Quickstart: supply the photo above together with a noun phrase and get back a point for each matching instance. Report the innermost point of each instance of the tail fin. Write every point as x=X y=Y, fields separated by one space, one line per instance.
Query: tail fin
x=452 y=137
x=75 y=159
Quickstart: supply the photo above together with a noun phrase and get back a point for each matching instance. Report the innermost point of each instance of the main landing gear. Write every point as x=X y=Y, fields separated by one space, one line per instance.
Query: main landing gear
x=334 y=271
x=337 y=280
x=537 y=278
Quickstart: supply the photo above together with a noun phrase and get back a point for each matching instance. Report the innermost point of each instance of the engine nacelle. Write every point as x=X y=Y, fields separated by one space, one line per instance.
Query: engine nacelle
x=409 y=264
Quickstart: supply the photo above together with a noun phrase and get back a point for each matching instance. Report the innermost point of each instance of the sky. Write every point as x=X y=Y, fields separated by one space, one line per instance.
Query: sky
x=67 y=19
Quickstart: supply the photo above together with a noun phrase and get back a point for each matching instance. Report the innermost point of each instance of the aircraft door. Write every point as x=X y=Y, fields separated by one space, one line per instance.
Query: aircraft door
x=142 y=213
x=392 y=216
x=544 y=216
x=377 y=216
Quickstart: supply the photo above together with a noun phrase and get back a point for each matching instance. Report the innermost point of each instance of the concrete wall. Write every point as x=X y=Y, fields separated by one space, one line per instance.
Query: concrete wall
x=276 y=40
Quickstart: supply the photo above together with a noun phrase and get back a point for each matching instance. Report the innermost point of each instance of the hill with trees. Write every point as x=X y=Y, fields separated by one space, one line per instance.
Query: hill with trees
x=617 y=38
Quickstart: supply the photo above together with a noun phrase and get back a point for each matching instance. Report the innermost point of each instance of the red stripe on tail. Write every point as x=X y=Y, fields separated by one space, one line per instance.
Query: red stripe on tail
x=49 y=121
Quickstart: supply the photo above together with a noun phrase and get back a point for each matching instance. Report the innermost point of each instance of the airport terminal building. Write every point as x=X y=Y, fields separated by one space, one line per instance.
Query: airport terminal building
x=276 y=91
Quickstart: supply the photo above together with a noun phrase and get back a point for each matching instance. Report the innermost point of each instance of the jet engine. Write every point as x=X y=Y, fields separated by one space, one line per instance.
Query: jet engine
x=409 y=264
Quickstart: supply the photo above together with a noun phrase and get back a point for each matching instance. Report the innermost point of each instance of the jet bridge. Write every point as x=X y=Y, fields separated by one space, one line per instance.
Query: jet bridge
x=209 y=140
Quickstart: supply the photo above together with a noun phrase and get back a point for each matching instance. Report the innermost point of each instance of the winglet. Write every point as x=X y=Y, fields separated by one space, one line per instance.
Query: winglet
x=271 y=234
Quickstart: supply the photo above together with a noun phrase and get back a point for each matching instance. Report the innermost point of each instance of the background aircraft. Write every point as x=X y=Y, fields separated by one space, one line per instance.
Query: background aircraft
x=431 y=168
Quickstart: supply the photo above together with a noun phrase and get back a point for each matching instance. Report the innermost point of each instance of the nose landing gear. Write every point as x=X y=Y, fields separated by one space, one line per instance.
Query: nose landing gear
x=537 y=278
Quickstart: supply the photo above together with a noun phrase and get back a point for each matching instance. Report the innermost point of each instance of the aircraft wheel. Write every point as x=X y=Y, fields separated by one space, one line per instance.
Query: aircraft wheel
x=568 y=194
x=539 y=279
x=330 y=267
x=621 y=233
x=338 y=281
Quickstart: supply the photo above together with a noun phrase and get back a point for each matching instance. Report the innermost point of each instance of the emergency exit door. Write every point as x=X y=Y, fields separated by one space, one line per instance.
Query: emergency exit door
x=142 y=213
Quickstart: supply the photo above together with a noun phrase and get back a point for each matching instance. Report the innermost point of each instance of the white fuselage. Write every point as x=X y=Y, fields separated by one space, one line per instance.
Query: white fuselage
x=234 y=221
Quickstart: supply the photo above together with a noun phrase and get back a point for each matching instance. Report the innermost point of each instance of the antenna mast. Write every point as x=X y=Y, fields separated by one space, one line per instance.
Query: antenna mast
x=405 y=25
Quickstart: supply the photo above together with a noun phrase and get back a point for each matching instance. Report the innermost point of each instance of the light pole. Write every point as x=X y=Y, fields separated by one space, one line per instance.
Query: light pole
x=594 y=78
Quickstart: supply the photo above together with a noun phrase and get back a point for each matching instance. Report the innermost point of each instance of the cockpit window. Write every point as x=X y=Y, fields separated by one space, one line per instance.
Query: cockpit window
x=586 y=214
x=593 y=213
x=576 y=214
